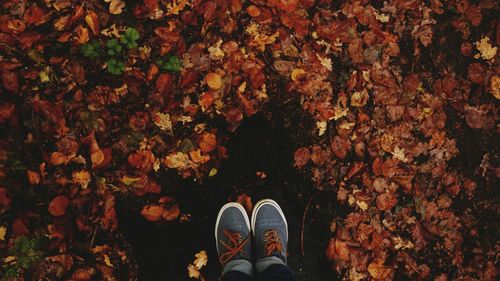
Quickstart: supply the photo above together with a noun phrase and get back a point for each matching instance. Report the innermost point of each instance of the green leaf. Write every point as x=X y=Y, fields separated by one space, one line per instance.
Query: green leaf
x=129 y=37
x=91 y=49
x=132 y=33
x=114 y=47
x=173 y=64
x=115 y=67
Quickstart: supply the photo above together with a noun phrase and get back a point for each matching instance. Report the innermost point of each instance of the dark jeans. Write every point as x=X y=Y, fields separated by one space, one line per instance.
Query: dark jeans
x=275 y=272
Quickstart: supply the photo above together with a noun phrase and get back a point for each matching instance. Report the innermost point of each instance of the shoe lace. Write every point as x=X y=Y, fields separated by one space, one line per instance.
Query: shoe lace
x=235 y=246
x=272 y=242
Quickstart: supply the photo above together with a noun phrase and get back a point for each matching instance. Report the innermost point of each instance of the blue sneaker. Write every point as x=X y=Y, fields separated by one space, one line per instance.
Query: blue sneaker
x=232 y=238
x=270 y=231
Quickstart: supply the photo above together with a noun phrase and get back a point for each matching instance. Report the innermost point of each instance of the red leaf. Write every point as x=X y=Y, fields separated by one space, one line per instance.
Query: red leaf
x=58 y=205
x=34 y=15
x=164 y=83
x=10 y=80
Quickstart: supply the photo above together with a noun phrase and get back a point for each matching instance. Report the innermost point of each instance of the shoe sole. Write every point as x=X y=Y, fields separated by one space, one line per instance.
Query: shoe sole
x=268 y=202
x=225 y=207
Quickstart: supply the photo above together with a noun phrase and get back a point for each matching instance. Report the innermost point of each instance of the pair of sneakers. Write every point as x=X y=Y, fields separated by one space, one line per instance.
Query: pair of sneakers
x=240 y=241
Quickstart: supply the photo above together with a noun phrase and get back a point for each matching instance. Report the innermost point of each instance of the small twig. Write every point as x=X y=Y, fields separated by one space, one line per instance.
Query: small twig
x=92 y=241
x=304 y=223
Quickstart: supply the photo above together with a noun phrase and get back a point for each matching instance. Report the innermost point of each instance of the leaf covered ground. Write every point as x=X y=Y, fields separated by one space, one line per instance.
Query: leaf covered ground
x=390 y=109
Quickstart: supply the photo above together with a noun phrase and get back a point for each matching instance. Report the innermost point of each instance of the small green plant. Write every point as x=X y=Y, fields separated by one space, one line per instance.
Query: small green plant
x=24 y=254
x=91 y=49
x=172 y=64
x=130 y=37
x=114 y=47
x=115 y=67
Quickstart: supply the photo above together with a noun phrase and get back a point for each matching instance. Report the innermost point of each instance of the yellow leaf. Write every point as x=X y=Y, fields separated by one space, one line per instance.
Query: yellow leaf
x=213 y=172
x=3 y=231
x=128 y=180
x=163 y=121
x=107 y=261
x=9 y=259
x=487 y=51
x=193 y=272
x=45 y=74
x=81 y=177
x=321 y=125
x=297 y=74
x=495 y=86
x=177 y=6
x=201 y=259
x=115 y=6
x=179 y=160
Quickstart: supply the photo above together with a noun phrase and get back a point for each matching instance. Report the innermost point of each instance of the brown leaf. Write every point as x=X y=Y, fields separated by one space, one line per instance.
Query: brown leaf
x=58 y=205
x=386 y=201
x=301 y=157
x=340 y=147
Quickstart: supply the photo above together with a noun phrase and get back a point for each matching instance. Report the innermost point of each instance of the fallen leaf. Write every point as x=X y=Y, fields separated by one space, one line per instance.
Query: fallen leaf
x=82 y=178
x=246 y=202
x=486 y=50
x=213 y=80
x=208 y=142
x=33 y=177
x=152 y=212
x=495 y=86
x=201 y=259
x=193 y=272
x=378 y=271
x=163 y=121
x=3 y=231
x=115 y=6
x=58 y=205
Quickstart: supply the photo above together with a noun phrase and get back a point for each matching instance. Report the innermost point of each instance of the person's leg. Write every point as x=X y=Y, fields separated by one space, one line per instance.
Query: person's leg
x=233 y=243
x=276 y=272
x=270 y=230
x=236 y=276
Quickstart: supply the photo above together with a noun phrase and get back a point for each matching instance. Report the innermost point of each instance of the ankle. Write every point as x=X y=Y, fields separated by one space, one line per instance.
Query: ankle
x=264 y=263
x=240 y=265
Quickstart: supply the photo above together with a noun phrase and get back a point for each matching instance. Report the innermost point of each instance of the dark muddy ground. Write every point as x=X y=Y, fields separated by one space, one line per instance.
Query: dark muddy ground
x=163 y=252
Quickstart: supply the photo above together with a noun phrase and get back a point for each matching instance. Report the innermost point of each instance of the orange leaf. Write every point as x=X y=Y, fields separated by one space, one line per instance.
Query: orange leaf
x=58 y=158
x=246 y=202
x=171 y=213
x=58 y=205
x=213 y=80
x=33 y=177
x=208 y=142
x=152 y=212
